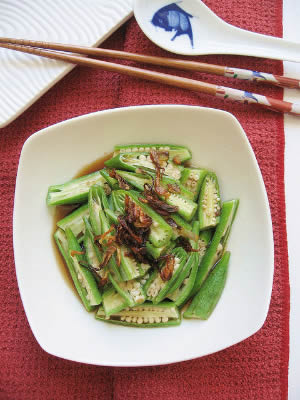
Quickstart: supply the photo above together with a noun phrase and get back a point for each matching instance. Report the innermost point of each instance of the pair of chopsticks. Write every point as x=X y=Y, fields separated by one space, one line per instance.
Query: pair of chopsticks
x=45 y=49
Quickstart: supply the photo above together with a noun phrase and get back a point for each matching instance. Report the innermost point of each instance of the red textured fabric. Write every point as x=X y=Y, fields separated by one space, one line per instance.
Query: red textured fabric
x=257 y=368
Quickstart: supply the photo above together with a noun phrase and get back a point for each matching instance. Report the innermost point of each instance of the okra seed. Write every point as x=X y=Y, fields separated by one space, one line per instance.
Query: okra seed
x=134 y=319
x=140 y=320
x=135 y=149
x=151 y=320
x=147 y=149
x=157 y=319
x=141 y=149
x=164 y=319
x=122 y=318
x=128 y=319
x=146 y=319
x=142 y=157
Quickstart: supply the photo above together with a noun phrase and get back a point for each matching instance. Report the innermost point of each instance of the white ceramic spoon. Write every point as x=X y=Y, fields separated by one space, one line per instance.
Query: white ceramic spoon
x=189 y=27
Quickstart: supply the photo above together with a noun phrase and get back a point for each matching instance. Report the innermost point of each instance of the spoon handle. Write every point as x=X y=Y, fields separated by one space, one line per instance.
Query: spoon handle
x=247 y=43
x=172 y=80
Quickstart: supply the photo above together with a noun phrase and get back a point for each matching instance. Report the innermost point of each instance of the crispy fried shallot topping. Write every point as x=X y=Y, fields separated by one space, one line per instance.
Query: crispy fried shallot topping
x=176 y=160
x=73 y=252
x=173 y=188
x=122 y=183
x=100 y=238
x=133 y=230
x=158 y=205
x=185 y=244
x=167 y=270
x=103 y=281
x=107 y=255
x=156 y=158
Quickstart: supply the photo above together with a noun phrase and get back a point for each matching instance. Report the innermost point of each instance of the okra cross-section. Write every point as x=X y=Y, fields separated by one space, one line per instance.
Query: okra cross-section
x=192 y=179
x=209 y=202
x=180 y=153
x=134 y=161
x=74 y=191
x=145 y=315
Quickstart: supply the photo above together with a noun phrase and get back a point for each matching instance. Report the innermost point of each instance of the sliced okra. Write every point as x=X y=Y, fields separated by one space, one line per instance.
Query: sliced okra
x=76 y=190
x=209 y=202
x=192 y=179
x=129 y=266
x=111 y=216
x=112 y=301
x=113 y=183
x=138 y=180
x=85 y=277
x=93 y=255
x=210 y=292
x=158 y=289
x=160 y=231
x=186 y=280
x=133 y=161
x=182 y=226
x=145 y=315
x=218 y=243
x=156 y=252
x=74 y=220
x=97 y=201
x=181 y=153
x=131 y=291
x=62 y=244
x=186 y=207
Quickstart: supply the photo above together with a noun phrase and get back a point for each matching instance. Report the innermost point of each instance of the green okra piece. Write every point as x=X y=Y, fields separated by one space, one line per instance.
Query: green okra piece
x=160 y=231
x=185 y=283
x=209 y=202
x=218 y=243
x=97 y=201
x=93 y=255
x=74 y=191
x=111 y=216
x=186 y=207
x=131 y=291
x=113 y=183
x=100 y=223
x=182 y=153
x=74 y=220
x=112 y=301
x=129 y=267
x=145 y=315
x=182 y=226
x=190 y=265
x=62 y=244
x=210 y=292
x=134 y=161
x=192 y=179
x=156 y=252
x=158 y=289
x=85 y=277
x=138 y=180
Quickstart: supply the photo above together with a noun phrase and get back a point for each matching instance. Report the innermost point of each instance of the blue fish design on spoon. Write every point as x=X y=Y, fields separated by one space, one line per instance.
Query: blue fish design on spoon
x=174 y=18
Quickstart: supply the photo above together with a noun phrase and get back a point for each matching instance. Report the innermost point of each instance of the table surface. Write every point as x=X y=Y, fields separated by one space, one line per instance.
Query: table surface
x=291 y=31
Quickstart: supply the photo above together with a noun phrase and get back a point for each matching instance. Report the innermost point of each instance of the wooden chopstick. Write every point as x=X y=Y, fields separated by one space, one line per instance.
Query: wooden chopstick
x=237 y=73
x=185 y=83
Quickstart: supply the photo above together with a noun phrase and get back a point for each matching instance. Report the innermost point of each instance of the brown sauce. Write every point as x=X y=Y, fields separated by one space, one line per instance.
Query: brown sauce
x=63 y=211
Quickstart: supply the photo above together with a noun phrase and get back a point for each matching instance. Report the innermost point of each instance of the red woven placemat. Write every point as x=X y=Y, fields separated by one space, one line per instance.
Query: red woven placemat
x=257 y=368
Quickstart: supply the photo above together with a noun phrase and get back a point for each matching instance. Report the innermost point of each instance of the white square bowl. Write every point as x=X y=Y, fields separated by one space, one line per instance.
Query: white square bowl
x=58 y=321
